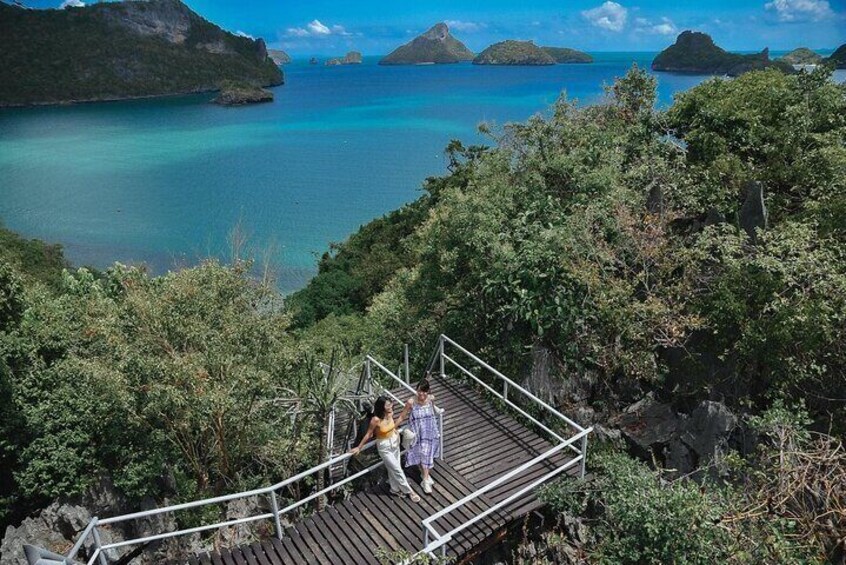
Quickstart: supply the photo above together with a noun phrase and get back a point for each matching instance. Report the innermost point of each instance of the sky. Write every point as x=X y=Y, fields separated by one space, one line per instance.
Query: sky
x=375 y=27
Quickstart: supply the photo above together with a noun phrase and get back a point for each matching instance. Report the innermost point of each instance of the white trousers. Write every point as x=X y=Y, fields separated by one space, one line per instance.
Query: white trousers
x=389 y=450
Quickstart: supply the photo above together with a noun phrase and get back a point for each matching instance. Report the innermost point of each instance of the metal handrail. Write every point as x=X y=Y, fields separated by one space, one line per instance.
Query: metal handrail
x=582 y=433
x=443 y=539
x=512 y=384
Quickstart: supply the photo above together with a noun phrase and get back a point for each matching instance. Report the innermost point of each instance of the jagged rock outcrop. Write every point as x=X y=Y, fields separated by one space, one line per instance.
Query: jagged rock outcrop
x=279 y=57
x=436 y=46
x=567 y=55
x=684 y=443
x=695 y=52
x=239 y=94
x=116 y=50
x=351 y=58
x=512 y=52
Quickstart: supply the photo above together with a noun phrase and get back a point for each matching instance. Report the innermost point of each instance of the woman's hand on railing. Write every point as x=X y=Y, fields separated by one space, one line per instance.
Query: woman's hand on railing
x=354 y=451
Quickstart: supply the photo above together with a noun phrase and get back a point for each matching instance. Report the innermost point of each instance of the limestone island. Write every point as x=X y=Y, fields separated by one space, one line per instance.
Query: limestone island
x=351 y=58
x=120 y=50
x=565 y=55
x=802 y=56
x=695 y=52
x=241 y=93
x=838 y=58
x=279 y=57
x=513 y=52
x=436 y=46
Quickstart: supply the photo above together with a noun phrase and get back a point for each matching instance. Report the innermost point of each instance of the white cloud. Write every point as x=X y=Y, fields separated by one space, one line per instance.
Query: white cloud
x=800 y=10
x=664 y=27
x=240 y=33
x=71 y=4
x=316 y=28
x=458 y=25
x=610 y=16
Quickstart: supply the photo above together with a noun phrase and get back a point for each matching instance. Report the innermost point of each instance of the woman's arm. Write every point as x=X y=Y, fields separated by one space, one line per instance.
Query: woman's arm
x=374 y=421
x=405 y=410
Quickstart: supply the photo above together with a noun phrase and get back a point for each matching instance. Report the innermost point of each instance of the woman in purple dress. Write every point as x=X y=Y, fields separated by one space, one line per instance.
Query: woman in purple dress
x=424 y=423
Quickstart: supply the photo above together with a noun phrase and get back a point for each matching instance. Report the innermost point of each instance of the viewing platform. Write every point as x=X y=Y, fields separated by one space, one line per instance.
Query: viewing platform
x=500 y=443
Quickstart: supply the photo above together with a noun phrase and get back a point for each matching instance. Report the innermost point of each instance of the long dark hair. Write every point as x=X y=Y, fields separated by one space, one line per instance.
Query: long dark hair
x=423 y=385
x=379 y=407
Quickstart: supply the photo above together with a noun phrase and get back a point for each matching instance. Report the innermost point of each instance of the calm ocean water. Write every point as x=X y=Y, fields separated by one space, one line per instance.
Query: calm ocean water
x=163 y=182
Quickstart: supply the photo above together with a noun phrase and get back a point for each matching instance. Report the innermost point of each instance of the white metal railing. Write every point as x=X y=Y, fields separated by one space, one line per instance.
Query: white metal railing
x=440 y=539
x=441 y=358
x=95 y=523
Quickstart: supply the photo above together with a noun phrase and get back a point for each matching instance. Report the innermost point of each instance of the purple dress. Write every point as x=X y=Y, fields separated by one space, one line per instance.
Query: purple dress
x=427 y=445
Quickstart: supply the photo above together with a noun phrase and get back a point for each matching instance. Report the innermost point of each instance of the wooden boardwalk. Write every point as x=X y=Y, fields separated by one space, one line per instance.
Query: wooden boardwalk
x=481 y=444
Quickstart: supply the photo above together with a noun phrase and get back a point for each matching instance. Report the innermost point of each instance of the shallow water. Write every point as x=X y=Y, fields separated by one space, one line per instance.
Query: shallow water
x=164 y=181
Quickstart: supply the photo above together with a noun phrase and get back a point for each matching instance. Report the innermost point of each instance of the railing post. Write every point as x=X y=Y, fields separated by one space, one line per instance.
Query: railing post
x=425 y=537
x=330 y=440
x=277 y=522
x=584 y=456
x=441 y=355
x=98 y=544
x=505 y=390
x=369 y=378
x=405 y=358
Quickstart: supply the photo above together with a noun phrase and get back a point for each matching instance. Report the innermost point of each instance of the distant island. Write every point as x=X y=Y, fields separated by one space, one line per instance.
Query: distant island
x=118 y=50
x=695 y=52
x=802 y=56
x=566 y=55
x=279 y=57
x=351 y=58
x=838 y=58
x=436 y=46
x=513 y=52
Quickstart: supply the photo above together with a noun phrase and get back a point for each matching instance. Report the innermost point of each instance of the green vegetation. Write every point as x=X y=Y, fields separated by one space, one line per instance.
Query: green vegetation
x=695 y=52
x=636 y=515
x=802 y=56
x=567 y=55
x=434 y=46
x=512 y=52
x=110 y=51
x=34 y=259
x=611 y=235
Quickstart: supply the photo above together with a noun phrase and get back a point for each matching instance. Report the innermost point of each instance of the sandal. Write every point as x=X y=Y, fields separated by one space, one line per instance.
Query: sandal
x=414 y=496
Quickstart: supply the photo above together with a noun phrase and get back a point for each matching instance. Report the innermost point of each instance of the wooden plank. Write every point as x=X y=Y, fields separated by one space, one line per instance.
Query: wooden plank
x=288 y=551
x=216 y=559
x=369 y=540
x=328 y=543
x=248 y=555
x=392 y=519
x=302 y=547
x=258 y=551
x=351 y=538
x=304 y=528
x=238 y=556
x=360 y=506
x=270 y=552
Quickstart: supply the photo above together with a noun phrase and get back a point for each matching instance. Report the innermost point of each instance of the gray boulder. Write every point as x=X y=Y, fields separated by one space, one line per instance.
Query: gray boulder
x=753 y=213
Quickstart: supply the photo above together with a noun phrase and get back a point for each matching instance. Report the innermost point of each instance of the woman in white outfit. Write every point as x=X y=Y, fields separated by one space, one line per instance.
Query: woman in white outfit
x=382 y=425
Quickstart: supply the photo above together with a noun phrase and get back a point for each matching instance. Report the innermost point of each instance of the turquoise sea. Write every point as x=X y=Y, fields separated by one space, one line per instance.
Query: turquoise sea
x=163 y=182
